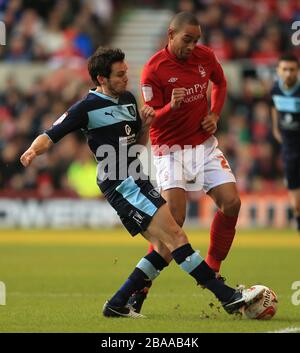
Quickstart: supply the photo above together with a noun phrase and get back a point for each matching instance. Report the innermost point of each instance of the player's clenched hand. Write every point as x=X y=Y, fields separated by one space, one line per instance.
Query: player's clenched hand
x=27 y=157
x=147 y=114
x=209 y=123
x=177 y=98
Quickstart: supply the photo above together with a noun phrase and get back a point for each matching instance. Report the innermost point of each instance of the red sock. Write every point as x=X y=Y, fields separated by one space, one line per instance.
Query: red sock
x=222 y=232
x=150 y=249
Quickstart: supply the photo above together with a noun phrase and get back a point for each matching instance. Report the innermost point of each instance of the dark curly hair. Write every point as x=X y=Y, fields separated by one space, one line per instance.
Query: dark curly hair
x=101 y=61
x=289 y=57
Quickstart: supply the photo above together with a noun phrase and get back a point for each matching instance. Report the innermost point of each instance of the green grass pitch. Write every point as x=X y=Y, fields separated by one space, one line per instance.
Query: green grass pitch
x=57 y=281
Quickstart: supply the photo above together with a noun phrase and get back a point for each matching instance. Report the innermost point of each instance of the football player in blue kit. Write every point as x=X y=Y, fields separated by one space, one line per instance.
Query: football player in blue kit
x=286 y=125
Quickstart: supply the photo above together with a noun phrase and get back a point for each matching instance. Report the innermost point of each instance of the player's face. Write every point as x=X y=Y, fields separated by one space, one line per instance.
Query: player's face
x=183 y=42
x=288 y=72
x=117 y=82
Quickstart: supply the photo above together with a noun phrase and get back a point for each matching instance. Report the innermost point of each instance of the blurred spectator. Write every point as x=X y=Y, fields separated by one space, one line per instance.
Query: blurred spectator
x=241 y=47
x=260 y=127
x=264 y=171
x=185 y=5
x=218 y=43
x=81 y=174
x=102 y=9
x=39 y=30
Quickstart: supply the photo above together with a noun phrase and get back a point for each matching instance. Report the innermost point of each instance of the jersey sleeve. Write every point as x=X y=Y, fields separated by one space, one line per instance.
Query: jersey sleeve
x=151 y=88
x=152 y=92
x=219 y=87
x=73 y=119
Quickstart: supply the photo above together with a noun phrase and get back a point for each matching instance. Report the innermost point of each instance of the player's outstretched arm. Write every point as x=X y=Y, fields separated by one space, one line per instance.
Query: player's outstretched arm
x=39 y=146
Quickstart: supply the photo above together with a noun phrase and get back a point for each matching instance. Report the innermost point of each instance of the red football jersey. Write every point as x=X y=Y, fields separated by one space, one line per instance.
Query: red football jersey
x=162 y=74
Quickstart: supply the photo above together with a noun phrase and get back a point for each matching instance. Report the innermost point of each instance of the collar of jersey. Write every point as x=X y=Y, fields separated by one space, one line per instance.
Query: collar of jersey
x=174 y=57
x=288 y=92
x=104 y=96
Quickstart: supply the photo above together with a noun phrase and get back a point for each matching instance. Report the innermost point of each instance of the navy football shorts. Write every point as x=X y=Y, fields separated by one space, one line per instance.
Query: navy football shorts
x=136 y=202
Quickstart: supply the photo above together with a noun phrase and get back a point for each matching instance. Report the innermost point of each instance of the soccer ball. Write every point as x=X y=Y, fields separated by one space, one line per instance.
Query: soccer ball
x=265 y=308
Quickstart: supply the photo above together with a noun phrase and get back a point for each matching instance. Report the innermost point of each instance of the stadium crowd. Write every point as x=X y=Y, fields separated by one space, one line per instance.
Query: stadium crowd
x=62 y=34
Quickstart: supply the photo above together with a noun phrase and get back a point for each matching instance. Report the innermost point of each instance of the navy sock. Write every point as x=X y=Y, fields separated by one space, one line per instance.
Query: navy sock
x=220 y=290
x=158 y=261
x=142 y=276
x=192 y=263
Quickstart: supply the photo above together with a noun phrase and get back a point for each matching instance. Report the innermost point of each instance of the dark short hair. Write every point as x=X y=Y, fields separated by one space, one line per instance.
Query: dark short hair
x=289 y=57
x=183 y=18
x=101 y=61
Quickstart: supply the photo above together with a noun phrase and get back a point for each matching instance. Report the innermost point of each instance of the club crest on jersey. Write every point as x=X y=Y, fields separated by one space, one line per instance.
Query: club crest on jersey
x=127 y=129
x=61 y=119
x=131 y=110
x=147 y=92
x=201 y=70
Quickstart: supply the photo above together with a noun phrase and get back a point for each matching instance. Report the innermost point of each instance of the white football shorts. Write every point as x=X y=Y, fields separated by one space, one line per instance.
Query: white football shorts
x=199 y=168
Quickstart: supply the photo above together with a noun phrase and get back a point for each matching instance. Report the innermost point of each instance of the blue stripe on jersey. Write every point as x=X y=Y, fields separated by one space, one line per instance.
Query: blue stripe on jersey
x=287 y=104
x=147 y=267
x=110 y=115
x=132 y=193
x=191 y=262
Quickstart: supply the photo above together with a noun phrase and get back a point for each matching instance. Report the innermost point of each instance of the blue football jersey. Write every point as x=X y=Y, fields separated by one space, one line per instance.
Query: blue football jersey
x=110 y=125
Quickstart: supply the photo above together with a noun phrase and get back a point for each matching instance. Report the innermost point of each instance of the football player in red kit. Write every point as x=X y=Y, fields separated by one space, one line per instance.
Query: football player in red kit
x=175 y=82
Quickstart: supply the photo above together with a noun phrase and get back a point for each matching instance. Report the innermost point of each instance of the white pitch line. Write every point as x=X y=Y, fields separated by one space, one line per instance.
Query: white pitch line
x=20 y=294
x=37 y=294
x=286 y=330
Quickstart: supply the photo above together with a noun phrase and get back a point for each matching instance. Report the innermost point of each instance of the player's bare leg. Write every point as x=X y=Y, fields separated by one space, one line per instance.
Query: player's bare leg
x=163 y=228
x=176 y=200
x=227 y=198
